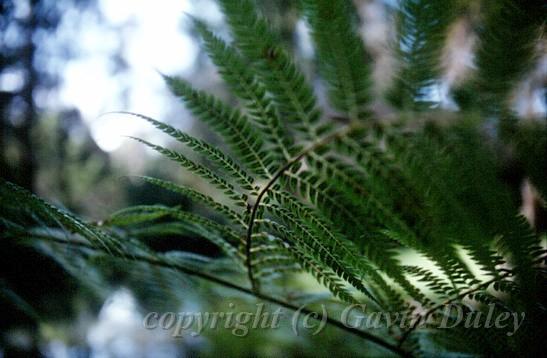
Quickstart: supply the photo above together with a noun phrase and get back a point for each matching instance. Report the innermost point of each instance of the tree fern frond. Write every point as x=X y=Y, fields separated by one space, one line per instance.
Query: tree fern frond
x=312 y=261
x=323 y=228
x=353 y=188
x=409 y=212
x=271 y=256
x=158 y=230
x=227 y=233
x=517 y=242
x=432 y=281
x=222 y=236
x=319 y=192
x=326 y=252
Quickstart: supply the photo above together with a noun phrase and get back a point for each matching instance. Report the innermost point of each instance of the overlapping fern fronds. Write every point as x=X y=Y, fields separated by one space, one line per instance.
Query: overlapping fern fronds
x=346 y=202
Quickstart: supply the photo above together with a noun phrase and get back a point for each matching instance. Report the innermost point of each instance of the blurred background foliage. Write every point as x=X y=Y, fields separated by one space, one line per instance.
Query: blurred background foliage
x=63 y=65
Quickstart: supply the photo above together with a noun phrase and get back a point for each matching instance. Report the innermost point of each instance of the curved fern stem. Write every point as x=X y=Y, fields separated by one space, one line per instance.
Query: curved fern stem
x=316 y=145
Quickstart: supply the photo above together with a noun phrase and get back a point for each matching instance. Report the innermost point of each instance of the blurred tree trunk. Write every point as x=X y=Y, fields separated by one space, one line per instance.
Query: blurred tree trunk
x=27 y=165
x=5 y=170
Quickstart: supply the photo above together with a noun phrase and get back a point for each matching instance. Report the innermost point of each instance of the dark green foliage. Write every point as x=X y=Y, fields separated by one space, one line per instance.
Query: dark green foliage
x=508 y=36
x=349 y=202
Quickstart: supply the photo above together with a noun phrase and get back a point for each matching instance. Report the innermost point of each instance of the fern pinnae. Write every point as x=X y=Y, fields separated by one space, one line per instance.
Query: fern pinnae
x=516 y=243
x=311 y=261
x=349 y=186
x=293 y=97
x=345 y=206
x=314 y=189
x=235 y=128
x=201 y=171
x=237 y=75
x=385 y=261
x=217 y=239
x=162 y=262
x=230 y=235
x=323 y=229
x=254 y=212
x=222 y=236
x=432 y=281
x=327 y=253
x=215 y=155
x=269 y=273
x=196 y=195
x=133 y=215
x=158 y=230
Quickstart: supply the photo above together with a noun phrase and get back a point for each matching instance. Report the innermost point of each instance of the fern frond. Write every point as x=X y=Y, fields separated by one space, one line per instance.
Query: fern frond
x=266 y=246
x=222 y=236
x=229 y=235
x=319 y=192
x=326 y=252
x=158 y=230
x=312 y=188
x=355 y=192
x=517 y=242
x=338 y=244
x=432 y=281
x=312 y=261
x=352 y=204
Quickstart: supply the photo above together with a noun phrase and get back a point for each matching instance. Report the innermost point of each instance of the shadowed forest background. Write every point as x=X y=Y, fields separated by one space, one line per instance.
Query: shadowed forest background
x=64 y=66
